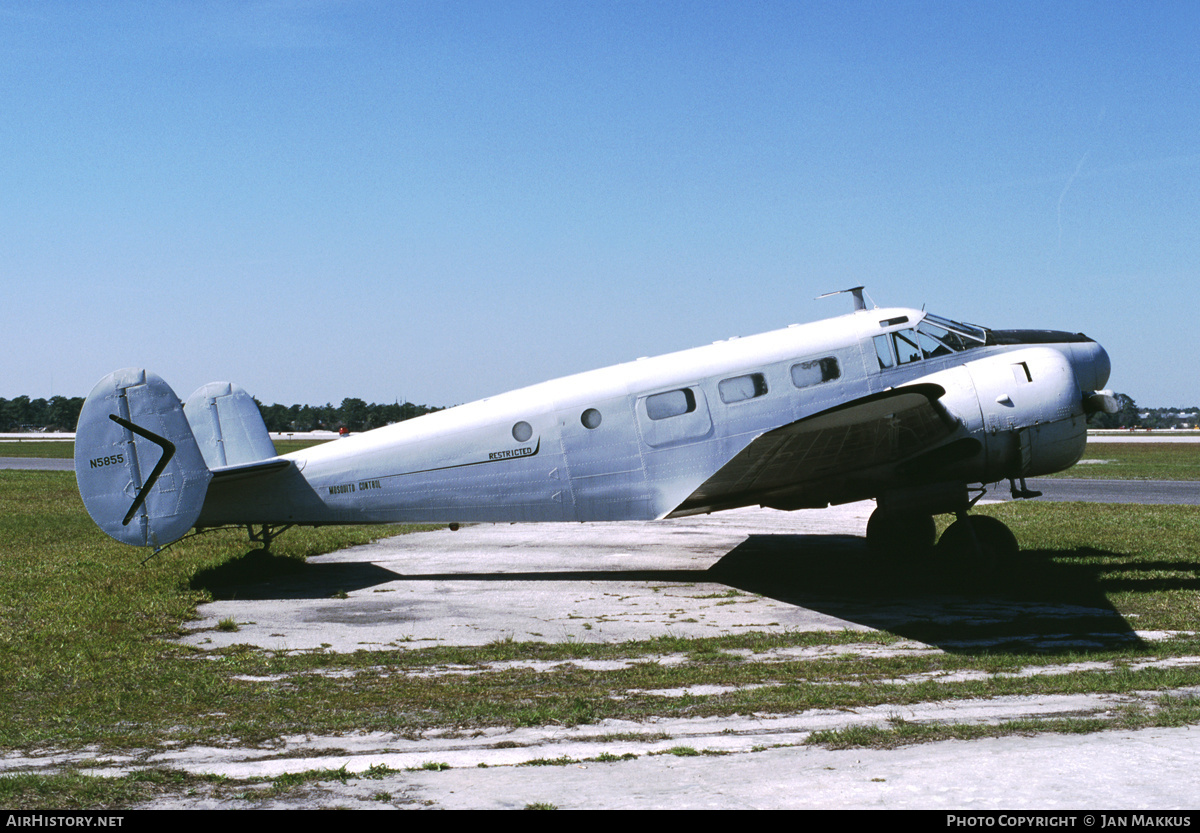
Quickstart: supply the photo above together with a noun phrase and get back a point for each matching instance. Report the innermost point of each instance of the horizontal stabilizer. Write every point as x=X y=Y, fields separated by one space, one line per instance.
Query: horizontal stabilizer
x=275 y=464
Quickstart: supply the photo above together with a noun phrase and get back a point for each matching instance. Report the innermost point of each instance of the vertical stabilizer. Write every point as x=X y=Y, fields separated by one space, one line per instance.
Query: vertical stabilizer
x=140 y=473
x=227 y=425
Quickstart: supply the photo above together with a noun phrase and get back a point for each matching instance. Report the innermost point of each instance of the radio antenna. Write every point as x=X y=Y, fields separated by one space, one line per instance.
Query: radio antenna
x=857 y=291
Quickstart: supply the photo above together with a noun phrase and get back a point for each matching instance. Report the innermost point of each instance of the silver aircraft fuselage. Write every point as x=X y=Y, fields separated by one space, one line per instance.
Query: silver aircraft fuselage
x=868 y=404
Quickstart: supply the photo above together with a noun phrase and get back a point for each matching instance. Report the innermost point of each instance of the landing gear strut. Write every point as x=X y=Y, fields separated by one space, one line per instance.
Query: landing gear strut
x=266 y=534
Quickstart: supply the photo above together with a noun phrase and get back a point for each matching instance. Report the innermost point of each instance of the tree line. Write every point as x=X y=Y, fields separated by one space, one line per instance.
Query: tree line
x=353 y=414
x=58 y=413
x=1130 y=415
x=61 y=413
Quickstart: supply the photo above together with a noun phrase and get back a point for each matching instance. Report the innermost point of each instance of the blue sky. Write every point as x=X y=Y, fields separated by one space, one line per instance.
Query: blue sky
x=441 y=201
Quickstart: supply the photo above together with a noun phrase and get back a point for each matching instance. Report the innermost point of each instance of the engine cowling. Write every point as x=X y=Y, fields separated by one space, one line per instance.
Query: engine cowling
x=1025 y=409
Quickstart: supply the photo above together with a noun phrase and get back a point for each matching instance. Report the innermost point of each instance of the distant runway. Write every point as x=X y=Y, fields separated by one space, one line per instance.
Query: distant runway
x=37 y=463
x=1145 y=437
x=1177 y=492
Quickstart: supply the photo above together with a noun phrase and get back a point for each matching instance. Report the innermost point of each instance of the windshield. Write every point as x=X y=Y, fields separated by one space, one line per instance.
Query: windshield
x=968 y=335
x=932 y=337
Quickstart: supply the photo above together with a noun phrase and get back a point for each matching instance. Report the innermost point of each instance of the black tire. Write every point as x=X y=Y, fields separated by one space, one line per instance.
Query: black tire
x=901 y=534
x=974 y=545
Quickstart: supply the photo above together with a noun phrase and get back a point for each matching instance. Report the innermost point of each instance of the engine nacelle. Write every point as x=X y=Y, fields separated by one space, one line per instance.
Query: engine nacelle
x=1024 y=407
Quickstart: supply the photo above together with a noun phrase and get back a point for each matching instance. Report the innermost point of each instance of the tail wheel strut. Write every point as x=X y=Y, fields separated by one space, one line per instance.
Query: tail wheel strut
x=266 y=533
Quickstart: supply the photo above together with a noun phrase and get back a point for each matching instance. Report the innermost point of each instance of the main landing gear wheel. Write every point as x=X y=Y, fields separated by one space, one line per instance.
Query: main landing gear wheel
x=910 y=535
x=976 y=544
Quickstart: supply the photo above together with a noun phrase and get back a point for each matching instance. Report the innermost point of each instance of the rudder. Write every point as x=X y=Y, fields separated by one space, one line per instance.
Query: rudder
x=140 y=472
x=227 y=425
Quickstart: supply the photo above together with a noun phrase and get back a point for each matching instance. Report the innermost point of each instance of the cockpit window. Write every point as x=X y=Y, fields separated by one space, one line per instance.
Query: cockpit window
x=934 y=343
x=883 y=349
x=907 y=349
x=938 y=341
x=968 y=335
x=932 y=337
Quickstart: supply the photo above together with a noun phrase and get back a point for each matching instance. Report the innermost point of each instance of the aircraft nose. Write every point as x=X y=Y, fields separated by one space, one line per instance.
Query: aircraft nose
x=1091 y=364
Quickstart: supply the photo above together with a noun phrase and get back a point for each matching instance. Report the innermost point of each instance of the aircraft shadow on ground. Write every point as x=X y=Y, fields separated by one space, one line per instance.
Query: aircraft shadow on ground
x=1041 y=602
x=1044 y=602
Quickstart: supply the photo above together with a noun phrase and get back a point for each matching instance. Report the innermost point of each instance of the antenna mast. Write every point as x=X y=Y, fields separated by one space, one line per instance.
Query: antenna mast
x=857 y=291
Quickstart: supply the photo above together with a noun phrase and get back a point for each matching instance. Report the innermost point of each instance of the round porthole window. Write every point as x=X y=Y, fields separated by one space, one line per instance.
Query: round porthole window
x=590 y=418
x=522 y=431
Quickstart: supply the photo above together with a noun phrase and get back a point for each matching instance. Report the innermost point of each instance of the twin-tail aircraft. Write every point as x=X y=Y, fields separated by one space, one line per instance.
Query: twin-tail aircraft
x=914 y=410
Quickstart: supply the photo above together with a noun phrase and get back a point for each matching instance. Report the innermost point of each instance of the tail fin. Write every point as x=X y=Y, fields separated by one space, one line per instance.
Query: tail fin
x=227 y=425
x=140 y=471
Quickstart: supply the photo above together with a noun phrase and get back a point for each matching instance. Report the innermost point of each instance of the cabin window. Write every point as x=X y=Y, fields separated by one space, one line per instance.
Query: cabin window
x=741 y=388
x=522 y=431
x=590 y=418
x=807 y=374
x=669 y=404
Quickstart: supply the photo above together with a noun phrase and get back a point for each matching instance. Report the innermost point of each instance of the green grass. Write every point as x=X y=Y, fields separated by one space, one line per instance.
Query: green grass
x=83 y=623
x=60 y=449
x=288 y=446
x=1141 y=560
x=1137 y=461
x=76 y=789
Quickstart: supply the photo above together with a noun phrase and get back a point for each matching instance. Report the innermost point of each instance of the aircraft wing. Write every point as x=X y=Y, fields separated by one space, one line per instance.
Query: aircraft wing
x=830 y=457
